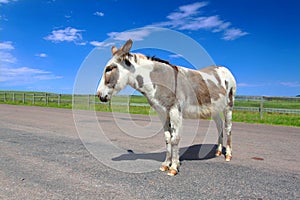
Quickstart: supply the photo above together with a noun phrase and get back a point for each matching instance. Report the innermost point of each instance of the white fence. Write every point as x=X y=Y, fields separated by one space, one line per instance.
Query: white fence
x=261 y=104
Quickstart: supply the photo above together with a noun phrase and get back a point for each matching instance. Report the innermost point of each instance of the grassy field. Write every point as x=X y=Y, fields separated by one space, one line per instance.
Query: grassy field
x=268 y=118
x=91 y=102
x=282 y=104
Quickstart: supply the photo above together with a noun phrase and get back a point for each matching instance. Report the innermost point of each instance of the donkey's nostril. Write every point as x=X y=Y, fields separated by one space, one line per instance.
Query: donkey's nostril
x=104 y=99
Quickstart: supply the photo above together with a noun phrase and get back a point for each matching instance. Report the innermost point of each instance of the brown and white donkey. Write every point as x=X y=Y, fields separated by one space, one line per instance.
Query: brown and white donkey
x=175 y=93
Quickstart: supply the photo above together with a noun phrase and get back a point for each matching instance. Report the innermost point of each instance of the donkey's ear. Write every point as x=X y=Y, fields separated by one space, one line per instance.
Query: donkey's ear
x=114 y=50
x=127 y=46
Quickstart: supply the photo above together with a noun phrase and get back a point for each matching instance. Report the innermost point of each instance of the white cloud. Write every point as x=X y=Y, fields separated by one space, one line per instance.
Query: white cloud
x=100 y=14
x=7 y=45
x=6 y=1
x=221 y=27
x=22 y=70
x=101 y=44
x=68 y=34
x=176 y=56
x=233 y=33
x=20 y=75
x=134 y=35
x=46 y=77
x=244 y=85
x=249 y=85
x=68 y=15
x=290 y=84
x=7 y=57
x=42 y=55
x=23 y=75
x=5 y=54
x=201 y=23
x=82 y=43
x=187 y=11
x=3 y=18
x=188 y=17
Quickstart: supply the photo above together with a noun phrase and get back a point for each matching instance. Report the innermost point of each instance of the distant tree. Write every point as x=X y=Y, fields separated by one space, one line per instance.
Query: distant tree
x=298 y=95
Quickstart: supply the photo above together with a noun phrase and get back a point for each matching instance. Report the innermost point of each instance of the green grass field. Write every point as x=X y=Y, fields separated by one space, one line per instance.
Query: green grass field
x=92 y=102
x=283 y=104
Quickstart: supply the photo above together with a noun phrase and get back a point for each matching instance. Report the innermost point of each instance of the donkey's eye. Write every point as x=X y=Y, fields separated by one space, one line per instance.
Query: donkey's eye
x=110 y=68
x=127 y=62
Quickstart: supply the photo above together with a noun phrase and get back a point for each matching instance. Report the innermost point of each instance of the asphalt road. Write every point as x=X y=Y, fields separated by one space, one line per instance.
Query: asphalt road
x=45 y=154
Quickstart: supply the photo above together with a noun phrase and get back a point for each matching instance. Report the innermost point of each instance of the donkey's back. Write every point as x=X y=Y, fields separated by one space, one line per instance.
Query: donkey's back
x=206 y=92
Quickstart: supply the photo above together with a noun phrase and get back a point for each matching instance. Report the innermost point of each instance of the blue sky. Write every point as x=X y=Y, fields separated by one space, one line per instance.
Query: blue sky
x=43 y=43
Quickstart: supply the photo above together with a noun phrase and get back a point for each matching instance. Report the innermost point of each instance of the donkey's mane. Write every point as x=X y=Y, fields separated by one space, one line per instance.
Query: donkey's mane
x=153 y=58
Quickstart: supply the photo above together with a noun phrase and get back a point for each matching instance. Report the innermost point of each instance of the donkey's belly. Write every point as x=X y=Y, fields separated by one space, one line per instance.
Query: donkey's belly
x=196 y=112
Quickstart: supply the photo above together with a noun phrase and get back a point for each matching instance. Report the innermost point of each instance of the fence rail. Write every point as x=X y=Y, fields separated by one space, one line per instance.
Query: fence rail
x=260 y=104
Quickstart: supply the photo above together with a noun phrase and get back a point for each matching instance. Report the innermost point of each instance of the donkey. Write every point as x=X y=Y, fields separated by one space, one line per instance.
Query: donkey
x=175 y=93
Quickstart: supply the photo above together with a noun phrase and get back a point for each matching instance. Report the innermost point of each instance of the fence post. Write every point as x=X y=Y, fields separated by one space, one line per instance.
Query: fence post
x=58 y=100
x=88 y=101
x=13 y=97
x=33 y=98
x=129 y=102
x=109 y=105
x=46 y=98
x=23 y=98
x=261 y=107
x=4 y=96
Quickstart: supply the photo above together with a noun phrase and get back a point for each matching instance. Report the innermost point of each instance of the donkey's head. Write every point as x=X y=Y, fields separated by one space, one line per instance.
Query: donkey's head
x=116 y=73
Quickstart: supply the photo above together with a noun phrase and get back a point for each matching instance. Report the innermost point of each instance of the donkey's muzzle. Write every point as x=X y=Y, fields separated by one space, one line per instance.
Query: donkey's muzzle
x=102 y=98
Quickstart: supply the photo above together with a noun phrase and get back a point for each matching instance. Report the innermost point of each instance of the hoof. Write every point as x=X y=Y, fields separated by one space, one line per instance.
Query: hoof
x=172 y=172
x=218 y=153
x=228 y=158
x=164 y=168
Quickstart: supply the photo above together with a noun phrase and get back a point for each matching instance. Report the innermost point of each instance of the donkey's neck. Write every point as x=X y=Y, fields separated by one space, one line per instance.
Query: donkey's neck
x=140 y=78
x=148 y=74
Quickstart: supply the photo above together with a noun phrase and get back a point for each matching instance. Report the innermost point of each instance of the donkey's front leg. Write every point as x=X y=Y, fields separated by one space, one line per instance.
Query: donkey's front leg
x=166 y=164
x=175 y=154
x=167 y=129
x=176 y=122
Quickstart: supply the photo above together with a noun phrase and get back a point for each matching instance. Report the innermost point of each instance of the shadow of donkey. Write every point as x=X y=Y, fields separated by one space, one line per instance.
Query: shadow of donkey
x=195 y=152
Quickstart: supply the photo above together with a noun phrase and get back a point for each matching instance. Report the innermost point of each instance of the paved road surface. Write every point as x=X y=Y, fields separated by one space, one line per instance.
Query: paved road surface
x=42 y=157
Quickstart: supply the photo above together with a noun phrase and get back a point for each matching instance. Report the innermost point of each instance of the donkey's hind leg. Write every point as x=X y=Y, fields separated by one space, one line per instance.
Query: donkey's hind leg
x=219 y=123
x=228 y=126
